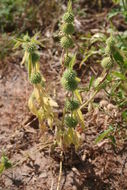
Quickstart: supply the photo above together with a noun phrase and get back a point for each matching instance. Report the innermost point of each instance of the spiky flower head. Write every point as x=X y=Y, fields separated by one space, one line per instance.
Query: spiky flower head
x=106 y=62
x=69 y=75
x=35 y=78
x=69 y=85
x=68 y=17
x=70 y=122
x=72 y=105
x=66 y=42
x=67 y=28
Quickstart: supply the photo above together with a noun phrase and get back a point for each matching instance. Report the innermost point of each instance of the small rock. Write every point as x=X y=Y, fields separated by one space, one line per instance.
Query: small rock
x=43 y=175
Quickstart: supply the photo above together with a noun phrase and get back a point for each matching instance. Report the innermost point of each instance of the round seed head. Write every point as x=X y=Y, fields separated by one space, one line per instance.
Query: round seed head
x=68 y=28
x=35 y=78
x=69 y=75
x=66 y=42
x=70 y=122
x=72 y=105
x=106 y=62
x=69 y=85
x=68 y=17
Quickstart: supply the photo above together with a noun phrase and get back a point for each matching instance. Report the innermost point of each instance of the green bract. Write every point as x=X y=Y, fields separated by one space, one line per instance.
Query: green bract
x=68 y=17
x=35 y=78
x=66 y=42
x=68 y=28
x=72 y=105
x=70 y=122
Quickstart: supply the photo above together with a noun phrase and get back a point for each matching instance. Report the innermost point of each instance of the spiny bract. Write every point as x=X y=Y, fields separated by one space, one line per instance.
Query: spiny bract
x=72 y=105
x=69 y=75
x=66 y=42
x=68 y=28
x=29 y=47
x=68 y=17
x=67 y=60
x=106 y=62
x=35 y=78
x=70 y=122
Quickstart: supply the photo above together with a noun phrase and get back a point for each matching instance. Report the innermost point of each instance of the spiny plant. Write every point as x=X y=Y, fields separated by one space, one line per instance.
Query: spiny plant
x=113 y=79
x=40 y=104
x=72 y=116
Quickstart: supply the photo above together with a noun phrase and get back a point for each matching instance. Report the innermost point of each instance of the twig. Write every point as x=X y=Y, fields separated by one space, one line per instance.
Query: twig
x=60 y=171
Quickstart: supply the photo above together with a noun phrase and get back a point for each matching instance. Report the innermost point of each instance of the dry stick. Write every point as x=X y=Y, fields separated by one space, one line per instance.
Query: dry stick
x=60 y=171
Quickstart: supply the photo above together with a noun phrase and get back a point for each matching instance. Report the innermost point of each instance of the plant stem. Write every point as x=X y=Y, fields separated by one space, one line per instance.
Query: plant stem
x=60 y=171
x=86 y=103
x=94 y=94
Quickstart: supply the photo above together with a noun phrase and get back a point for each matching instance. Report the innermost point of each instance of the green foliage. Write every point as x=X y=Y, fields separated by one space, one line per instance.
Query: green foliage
x=103 y=135
x=121 y=10
x=9 y=10
x=5 y=163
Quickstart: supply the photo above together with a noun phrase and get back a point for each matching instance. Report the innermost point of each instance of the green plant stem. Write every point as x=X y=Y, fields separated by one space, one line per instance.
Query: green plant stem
x=86 y=103
x=94 y=94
